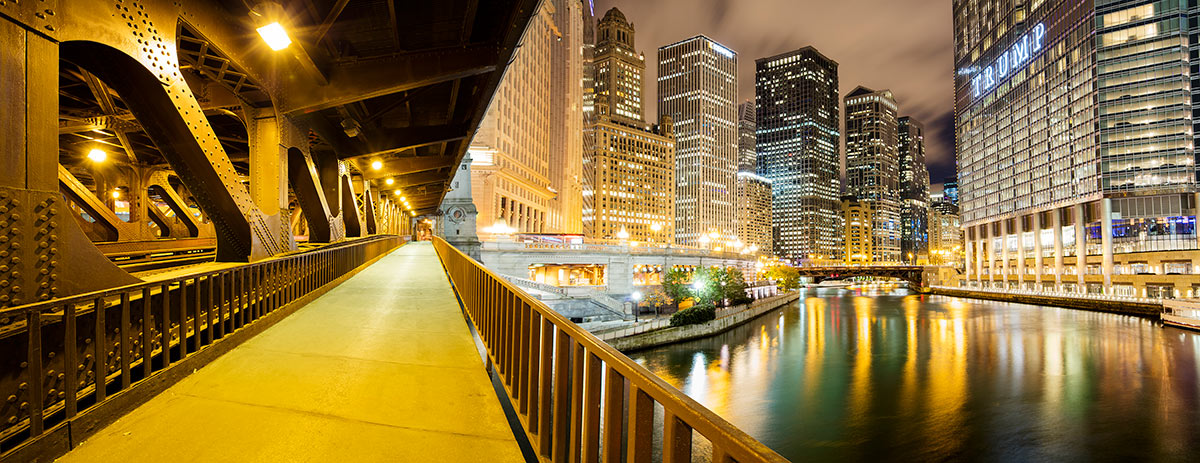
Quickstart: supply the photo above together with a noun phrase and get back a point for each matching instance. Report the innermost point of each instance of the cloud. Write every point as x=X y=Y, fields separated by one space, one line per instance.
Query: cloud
x=903 y=45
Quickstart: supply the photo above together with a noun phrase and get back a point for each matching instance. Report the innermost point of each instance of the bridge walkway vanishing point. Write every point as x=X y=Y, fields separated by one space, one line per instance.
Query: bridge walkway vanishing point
x=381 y=368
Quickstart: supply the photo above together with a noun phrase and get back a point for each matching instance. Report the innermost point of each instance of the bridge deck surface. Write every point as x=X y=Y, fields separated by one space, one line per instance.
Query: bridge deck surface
x=381 y=368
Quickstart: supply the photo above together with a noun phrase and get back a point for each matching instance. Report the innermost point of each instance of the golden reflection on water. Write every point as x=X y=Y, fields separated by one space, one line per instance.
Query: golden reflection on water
x=904 y=377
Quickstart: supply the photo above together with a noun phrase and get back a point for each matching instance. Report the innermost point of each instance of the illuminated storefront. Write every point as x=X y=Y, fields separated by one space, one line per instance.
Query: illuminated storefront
x=569 y=274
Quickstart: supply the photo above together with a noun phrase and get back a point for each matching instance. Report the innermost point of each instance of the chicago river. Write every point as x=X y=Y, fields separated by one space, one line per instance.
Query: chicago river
x=861 y=374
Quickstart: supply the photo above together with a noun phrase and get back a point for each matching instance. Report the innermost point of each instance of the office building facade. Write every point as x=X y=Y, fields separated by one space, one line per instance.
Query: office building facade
x=629 y=172
x=858 y=219
x=797 y=145
x=914 y=191
x=950 y=189
x=747 y=160
x=754 y=212
x=630 y=183
x=1075 y=146
x=945 y=234
x=526 y=156
x=873 y=165
x=697 y=89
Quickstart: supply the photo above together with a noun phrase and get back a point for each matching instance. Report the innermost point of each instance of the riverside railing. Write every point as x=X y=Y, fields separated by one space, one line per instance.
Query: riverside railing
x=49 y=375
x=1059 y=294
x=575 y=395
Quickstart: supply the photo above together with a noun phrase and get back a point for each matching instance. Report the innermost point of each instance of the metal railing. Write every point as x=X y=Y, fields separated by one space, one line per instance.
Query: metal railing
x=49 y=374
x=536 y=286
x=559 y=379
x=1058 y=294
x=642 y=248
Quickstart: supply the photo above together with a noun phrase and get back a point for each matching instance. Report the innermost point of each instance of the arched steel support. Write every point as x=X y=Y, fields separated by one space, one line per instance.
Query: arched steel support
x=350 y=215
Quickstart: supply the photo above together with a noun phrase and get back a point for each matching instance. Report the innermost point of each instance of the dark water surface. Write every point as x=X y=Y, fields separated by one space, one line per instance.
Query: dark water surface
x=854 y=375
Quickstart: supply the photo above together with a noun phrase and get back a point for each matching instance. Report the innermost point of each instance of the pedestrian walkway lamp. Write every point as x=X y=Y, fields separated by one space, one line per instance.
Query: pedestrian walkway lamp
x=275 y=36
x=637 y=299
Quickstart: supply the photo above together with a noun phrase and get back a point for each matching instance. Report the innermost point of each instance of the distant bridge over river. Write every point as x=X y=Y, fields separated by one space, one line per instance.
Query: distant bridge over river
x=920 y=276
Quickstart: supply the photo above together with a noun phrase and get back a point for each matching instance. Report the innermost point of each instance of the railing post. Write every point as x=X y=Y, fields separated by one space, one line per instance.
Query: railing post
x=164 y=328
x=677 y=439
x=124 y=339
x=147 y=339
x=641 y=423
x=100 y=350
x=576 y=413
x=522 y=330
x=591 y=410
x=220 y=304
x=36 y=375
x=183 y=350
x=562 y=396
x=70 y=360
x=544 y=396
x=196 y=328
x=614 y=404
x=208 y=311
x=510 y=334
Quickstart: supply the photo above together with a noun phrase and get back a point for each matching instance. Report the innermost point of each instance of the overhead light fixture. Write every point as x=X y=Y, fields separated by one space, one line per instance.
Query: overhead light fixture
x=396 y=192
x=389 y=181
x=402 y=198
x=377 y=165
x=275 y=36
x=97 y=155
x=116 y=194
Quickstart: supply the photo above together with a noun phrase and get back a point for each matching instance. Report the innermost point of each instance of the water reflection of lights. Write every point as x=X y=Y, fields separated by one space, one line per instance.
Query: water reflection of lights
x=946 y=378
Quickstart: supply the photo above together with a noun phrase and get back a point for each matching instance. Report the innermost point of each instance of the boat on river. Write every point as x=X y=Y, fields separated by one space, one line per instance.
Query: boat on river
x=1184 y=313
x=832 y=284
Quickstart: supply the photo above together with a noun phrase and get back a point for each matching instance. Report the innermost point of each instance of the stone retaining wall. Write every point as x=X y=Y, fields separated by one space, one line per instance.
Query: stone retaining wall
x=683 y=333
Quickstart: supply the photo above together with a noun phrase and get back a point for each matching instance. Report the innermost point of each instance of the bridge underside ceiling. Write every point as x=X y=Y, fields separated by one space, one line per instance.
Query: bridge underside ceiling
x=196 y=115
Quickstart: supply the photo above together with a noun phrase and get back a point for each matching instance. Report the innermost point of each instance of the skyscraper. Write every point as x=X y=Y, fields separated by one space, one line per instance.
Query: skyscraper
x=857 y=219
x=1075 y=144
x=523 y=170
x=629 y=172
x=697 y=88
x=797 y=131
x=566 y=129
x=950 y=189
x=914 y=191
x=747 y=160
x=754 y=212
x=873 y=165
x=619 y=68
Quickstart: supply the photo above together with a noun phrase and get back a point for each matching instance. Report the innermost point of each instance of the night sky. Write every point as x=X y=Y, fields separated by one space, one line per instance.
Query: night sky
x=903 y=45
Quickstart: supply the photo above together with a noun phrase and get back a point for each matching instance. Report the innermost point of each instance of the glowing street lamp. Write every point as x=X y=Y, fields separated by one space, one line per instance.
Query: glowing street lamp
x=500 y=228
x=97 y=155
x=389 y=181
x=622 y=235
x=376 y=165
x=116 y=194
x=275 y=36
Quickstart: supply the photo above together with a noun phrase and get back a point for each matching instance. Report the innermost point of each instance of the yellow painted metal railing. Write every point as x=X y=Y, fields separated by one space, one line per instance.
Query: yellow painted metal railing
x=576 y=396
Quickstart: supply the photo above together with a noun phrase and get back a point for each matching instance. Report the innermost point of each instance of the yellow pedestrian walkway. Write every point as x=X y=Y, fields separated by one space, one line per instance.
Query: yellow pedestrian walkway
x=381 y=368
